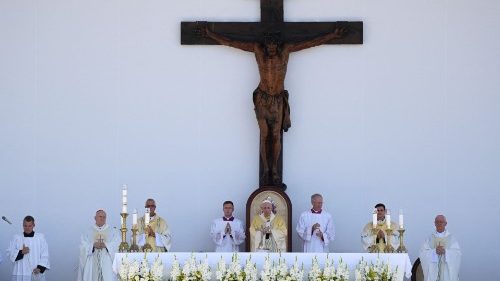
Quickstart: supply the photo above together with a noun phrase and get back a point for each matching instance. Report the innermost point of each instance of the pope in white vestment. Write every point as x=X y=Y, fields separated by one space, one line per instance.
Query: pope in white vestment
x=97 y=249
x=227 y=232
x=316 y=228
x=154 y=230
x=440 y=255
x=30 y=254
x=268 y=230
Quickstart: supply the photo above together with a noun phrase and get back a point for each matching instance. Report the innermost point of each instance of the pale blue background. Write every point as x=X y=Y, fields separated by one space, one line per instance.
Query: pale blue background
x=94 y=94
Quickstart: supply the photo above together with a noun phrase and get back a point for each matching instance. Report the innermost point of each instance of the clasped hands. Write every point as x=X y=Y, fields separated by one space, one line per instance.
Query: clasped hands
x=227 y=230
x=99 y=245
x=265 y=229
x=440 y=250
x=316 y=228
x=149 y=231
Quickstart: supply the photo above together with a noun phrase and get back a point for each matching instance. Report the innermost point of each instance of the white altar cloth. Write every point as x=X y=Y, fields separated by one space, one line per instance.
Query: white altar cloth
x=402 y=261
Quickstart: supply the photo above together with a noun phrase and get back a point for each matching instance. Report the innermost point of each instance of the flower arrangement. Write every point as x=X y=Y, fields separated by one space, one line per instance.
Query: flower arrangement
x=124 y=268
x=250 y=270
x=274 y=272
x=135 y=271
x=329 y=272
x=342 y=271
x=379 y=271
x=156 y=271
x=234 y=272
x=296 y=273
x=191 y=271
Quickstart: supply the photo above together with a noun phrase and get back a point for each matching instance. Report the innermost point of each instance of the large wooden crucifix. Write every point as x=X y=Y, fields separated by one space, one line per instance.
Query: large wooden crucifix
x=272 y=40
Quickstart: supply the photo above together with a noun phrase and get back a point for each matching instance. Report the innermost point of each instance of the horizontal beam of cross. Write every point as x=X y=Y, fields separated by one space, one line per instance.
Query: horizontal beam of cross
x=289 y=31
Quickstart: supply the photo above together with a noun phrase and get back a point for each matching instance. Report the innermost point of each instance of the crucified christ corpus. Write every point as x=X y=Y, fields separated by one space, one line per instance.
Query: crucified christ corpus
x=270 y=98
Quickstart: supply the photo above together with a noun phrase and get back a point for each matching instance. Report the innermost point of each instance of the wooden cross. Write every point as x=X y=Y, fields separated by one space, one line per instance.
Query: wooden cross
x=272 y=22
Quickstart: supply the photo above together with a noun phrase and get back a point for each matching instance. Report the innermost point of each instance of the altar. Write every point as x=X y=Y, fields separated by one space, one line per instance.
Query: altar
x=401 y=261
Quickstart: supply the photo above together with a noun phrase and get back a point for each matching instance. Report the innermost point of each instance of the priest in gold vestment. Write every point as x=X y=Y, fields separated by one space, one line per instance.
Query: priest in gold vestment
x=375 y=241
x=268 y=230
x=153 y=230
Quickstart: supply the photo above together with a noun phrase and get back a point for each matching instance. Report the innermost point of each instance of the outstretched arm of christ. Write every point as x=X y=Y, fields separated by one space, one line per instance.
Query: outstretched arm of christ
x=223 y=40
x=338 y=33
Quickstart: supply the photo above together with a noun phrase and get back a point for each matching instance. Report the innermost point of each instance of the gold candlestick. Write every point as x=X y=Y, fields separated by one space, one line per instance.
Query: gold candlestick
x=134 y=247
x=123 y=248
x=401 y=248
x=374 y=247
x=388 y=246
x=147 y=247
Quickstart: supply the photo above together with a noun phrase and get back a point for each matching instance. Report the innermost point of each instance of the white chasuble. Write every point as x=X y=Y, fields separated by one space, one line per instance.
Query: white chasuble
x=97 y=264
x=227 y=242
x=440 y=267
x=38 y=256
x=312 y=242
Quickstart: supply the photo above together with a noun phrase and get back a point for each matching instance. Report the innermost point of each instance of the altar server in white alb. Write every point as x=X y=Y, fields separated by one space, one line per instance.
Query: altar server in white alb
x=315 y=227
x=97 y=249
x=440 y=254
x=154 y=230
x=30 y=253
x=227 y=232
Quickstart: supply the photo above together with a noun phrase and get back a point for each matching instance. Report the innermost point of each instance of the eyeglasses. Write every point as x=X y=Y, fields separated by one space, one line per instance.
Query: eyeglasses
x=150 y=206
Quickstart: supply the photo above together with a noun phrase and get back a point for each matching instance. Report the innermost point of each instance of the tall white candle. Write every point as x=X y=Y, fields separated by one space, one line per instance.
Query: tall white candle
x=134 y=218
x=401 y=225
x=146 y=217
x=124 y=198
x=388 y=219
x=374 y=218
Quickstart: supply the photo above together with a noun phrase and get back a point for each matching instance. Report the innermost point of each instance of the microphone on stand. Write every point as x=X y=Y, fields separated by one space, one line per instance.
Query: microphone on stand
x=6 y=220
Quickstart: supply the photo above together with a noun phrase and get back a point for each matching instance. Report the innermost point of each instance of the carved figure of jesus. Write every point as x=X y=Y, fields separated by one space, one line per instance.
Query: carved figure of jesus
x=270 y=97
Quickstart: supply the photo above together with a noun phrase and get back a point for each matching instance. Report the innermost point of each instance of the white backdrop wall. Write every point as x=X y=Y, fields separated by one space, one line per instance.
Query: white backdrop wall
x=95 y=94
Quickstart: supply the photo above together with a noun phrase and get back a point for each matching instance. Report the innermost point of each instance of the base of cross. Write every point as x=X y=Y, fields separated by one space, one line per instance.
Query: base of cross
x=272 y=180
x=268 y=178
x=279 y=186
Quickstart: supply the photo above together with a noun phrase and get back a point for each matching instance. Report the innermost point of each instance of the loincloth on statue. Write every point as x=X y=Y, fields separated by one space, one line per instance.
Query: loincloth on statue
x=272 y=108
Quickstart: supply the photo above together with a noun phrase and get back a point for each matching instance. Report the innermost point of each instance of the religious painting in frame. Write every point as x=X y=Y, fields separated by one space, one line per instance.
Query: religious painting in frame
x=282 y=205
